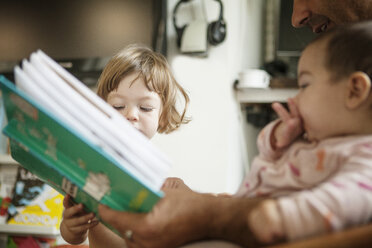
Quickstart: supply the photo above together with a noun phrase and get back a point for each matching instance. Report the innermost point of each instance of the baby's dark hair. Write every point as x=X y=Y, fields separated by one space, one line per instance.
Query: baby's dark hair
x=349 y=49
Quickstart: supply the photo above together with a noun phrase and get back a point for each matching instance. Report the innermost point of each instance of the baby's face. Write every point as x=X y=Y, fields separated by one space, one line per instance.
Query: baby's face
x=137 y=104
x=320 y=101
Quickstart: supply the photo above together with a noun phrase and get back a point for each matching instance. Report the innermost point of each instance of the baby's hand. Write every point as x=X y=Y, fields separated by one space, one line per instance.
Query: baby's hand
x=174 y=183
x=266 y=222
x=290 y=127
x=75 y=223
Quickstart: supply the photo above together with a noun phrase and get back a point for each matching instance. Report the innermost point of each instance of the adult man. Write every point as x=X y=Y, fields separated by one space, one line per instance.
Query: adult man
x=321 y=15
x=184 y=216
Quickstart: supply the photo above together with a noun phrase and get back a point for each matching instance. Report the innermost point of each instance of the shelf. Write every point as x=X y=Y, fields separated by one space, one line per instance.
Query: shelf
x=6 y=159
x=265 y=95
x=24 y=230
x=21 y=230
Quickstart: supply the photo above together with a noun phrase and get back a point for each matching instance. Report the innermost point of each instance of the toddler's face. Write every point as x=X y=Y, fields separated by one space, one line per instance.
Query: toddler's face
x=137 y=104
x=320 y=101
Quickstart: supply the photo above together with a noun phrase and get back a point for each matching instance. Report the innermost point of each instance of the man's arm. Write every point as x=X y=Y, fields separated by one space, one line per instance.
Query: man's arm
x=184 y=216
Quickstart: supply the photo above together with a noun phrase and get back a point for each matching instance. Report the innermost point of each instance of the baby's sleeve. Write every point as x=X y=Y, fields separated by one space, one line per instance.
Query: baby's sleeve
x=344 y=200
x=264 y=146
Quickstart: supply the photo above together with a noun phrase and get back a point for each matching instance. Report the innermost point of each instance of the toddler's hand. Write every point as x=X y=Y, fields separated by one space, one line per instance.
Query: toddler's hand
x=266 y=223
x=291 y=124
x=75 y=223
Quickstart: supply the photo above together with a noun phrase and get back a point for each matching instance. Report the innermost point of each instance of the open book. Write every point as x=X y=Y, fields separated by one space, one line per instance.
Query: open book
x=70 y=138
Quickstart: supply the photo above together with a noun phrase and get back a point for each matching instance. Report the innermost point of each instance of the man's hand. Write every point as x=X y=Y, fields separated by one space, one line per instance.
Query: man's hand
x=290 y=127
x=178 y=218
x=266 y=222
x=174 y=183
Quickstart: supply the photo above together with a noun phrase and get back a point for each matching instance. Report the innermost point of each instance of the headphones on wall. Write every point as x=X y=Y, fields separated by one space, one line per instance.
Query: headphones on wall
x=216 y=30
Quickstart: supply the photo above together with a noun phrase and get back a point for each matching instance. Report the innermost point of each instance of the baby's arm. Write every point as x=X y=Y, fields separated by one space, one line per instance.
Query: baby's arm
x=290 y=127
x=76 y=223
x=275 y=137
x=266 y=222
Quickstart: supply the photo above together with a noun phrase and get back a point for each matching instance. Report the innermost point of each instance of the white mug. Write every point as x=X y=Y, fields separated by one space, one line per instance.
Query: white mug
x=254 y=78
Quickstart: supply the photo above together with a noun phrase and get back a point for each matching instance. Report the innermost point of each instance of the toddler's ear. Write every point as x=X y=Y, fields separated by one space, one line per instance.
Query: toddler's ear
x=359 y=89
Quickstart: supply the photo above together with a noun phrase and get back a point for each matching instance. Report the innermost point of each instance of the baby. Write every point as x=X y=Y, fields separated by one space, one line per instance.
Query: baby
x=315 y=161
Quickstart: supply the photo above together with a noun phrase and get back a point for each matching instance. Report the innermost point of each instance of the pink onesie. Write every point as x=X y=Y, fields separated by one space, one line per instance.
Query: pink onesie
x=322 y=186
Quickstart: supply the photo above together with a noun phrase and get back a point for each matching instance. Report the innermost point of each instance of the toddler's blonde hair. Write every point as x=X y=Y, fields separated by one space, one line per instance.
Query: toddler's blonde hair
x=154 y=69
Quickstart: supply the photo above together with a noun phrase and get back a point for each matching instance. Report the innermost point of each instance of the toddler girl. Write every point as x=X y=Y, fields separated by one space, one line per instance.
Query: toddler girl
x=139 y=84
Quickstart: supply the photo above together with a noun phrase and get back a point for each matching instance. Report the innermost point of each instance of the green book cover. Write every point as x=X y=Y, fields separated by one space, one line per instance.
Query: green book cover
x=60 y=156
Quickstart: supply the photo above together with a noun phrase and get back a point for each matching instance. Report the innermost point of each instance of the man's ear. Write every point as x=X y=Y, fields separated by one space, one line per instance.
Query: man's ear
x=358 y=89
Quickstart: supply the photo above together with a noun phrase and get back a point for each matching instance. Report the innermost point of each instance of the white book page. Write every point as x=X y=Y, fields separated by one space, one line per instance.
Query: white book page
x=36 y=89
x=91 y=119
x=138 y=143
x=29 y=85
